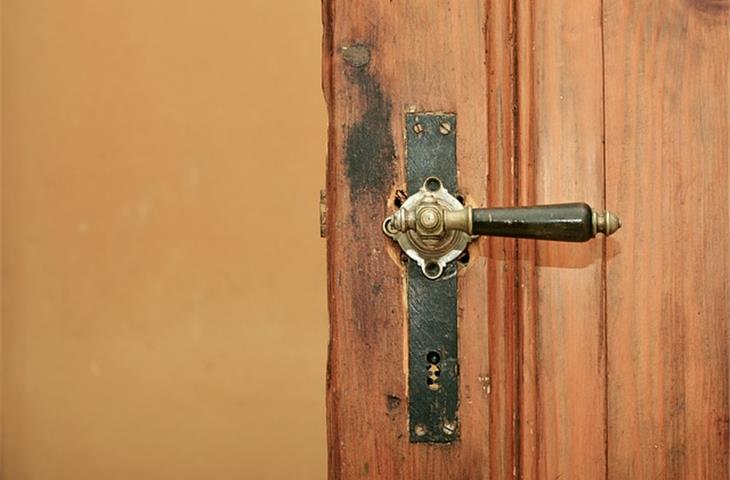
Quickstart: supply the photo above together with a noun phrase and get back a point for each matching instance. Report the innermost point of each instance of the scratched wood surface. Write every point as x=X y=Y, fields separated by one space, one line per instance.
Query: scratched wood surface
x=501 y=253
x=527 y=459
x=602 y=360
x=383 y=58
x=561 y=114
x=667 y=101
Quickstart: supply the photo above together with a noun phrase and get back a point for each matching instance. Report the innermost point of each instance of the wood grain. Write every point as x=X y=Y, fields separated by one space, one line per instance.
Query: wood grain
x=501 y=253
x=602 y=360
x=527 y=439
x=411 y=56
x=667 y=100
x=561 y=158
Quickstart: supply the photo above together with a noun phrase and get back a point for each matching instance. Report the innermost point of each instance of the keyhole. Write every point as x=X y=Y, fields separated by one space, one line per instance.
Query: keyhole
x=433 y=369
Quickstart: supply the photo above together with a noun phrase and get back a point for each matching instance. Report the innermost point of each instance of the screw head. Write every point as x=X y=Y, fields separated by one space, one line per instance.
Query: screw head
x=419 y=430
x=418 y=128
x=449 y=428
x=445 y=128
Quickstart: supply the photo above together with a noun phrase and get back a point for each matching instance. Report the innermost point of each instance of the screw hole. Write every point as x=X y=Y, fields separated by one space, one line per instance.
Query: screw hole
x=464 y=257
x=433 y=184
x=388 y=227
x=400 y=197
x=432 y=270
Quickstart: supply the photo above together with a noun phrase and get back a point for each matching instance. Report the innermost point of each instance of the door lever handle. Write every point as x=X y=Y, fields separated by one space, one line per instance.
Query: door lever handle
x=434 y=228
x=567 y=222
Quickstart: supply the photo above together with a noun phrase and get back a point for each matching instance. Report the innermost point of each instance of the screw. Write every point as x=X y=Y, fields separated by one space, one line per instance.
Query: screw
x=420 y=430
x=445 y=128
x=449 y=428
x=418 y=128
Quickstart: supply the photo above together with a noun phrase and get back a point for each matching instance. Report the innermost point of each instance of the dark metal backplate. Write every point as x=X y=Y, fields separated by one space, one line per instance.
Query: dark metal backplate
x=433 y=369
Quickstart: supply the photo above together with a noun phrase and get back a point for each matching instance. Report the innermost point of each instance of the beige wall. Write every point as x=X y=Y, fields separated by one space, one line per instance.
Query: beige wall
x=164 y=300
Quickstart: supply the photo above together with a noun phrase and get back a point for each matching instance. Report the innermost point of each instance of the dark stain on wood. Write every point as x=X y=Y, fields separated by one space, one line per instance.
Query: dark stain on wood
x=369 y=148
x=393 y=402
x=356 y=55
x=443 y=71
x=710 y=7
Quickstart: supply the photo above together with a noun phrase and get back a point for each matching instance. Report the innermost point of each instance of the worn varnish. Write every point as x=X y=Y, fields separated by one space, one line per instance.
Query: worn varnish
x=560 y=303
x=413 y=56
x=667 y=153
x=563 y=50
x=600 y=360
x=500 y=253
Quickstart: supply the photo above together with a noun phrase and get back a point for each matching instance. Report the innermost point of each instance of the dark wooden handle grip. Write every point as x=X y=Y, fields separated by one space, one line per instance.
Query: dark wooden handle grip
x=569 y=222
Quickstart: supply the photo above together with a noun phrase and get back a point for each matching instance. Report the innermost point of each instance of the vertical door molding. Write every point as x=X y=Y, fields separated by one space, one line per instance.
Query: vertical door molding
x=501 y=253
x=560 y=158
x=667 y=100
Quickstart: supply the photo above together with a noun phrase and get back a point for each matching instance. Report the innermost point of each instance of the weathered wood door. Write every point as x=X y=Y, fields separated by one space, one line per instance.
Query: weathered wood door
x=607 y=359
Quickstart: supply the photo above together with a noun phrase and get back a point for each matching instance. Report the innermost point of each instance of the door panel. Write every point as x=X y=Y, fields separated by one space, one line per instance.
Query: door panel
x=668 y=303
x=567 y=165
x=600 y=360
x=382 y=59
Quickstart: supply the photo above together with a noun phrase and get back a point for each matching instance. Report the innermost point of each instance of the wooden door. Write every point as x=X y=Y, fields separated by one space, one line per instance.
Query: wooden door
x=607 y=359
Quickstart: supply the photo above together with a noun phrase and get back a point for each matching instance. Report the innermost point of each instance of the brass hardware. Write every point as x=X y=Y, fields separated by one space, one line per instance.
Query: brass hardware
x=420 y=227
x=433 y=227
x=605 y=222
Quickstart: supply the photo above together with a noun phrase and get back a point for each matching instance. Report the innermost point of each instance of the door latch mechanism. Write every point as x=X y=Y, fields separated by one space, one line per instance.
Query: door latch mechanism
x=433 y=228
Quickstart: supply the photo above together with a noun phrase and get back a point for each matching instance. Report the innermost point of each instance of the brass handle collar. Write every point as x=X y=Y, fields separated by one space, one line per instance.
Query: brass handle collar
x=434 y=228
